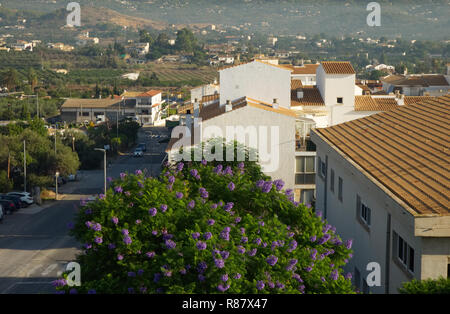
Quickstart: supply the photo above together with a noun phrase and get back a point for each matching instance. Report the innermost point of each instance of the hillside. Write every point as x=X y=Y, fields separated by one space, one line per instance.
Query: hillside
x=419 y=19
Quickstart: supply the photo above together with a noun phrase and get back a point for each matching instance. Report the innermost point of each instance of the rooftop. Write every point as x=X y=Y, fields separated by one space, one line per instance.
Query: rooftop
x=304 y=69
x=404 y=151
x=338 y=67
x=311 y=97
x=424 y=80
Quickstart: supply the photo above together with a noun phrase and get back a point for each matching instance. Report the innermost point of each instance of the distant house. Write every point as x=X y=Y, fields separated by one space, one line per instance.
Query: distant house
x=417 y=85
x=145 y=106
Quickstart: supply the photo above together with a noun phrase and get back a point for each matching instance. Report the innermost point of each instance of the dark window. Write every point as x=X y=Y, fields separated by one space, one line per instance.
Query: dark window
x=340 y=188
x=85 y=114
x=305 y=170
x=365 y=213
x=340 y=100
x=404 y=252
x=357 y=278
x=448 y=271
x=332 y=180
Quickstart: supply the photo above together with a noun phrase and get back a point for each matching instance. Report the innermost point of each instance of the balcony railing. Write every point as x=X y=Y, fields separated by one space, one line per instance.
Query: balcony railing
x=305 y=145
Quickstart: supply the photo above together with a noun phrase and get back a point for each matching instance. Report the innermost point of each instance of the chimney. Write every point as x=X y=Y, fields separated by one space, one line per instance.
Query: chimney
x=196 y=108
x=300 y=94
x=406 y=71
x=275 y=104
x=228 y=106
x=401 y=100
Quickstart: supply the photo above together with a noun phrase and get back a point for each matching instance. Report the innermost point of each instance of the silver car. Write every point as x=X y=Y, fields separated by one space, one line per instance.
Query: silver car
x=25 y=197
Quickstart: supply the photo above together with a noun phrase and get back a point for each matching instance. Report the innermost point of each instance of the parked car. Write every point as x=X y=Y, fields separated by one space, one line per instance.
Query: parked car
x=8 y=206
x=1 y=213
x=138 y=152
x=25 y=197
x=142 y=146
x=16 y=200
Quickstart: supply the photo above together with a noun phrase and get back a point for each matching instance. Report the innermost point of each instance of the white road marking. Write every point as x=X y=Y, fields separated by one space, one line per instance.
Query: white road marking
x=49 y=269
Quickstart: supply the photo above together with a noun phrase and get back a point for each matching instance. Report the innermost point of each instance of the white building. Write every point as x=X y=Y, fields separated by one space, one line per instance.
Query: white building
x=383 y=181
x=204 y=90
x=417 y=85
x=254 y=97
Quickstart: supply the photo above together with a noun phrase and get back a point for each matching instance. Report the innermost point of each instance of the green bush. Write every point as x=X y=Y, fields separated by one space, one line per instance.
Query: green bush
x=206 y=228
x=429 y=286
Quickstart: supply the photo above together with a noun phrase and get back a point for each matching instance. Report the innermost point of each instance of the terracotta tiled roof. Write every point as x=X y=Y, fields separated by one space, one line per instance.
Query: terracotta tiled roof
x=404 y=151
x=386 y=103
x=414 y=99
x=89 y=103
x=366 y=103
x=338 y=67
x=424 y=80
x=311 y=97
x=296 y=84
x=214 y=110
x=150 y=93
x=304 y=69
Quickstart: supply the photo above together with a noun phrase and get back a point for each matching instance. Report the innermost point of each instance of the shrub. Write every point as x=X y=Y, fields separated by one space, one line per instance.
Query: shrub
x=429 y=286
x=204 y=228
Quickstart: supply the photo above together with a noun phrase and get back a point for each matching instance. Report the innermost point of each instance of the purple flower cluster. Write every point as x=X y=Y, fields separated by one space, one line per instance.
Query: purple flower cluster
x=127 y=240
x=170 y=244
x=201 y=245
x=152 y=212
x=348 y=244
x=260 y=285
x=218 y=169
x=334 y=274
x=223 y=288
x=180 y=166
x=115 y=220
x=207 y=235
x=150 y=254
x=228 y=171
x=272 y=260
x=252 y=252
x=291 y=264
x=179 y=195
x=220 y=263
x=163 y=207
x=59 y=283
x=211 y=222
x=231 y=186
x=203 y=193
x=201 y=267
x=225 y=234
x=98 y=240
x=279 y=184
x=241 y=249
x=118 y=189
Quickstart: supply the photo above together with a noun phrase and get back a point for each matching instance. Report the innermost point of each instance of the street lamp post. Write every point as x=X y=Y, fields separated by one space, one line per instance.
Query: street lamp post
x=24 y=167
x=73 y=143
x=104 y=166
x=56 y=190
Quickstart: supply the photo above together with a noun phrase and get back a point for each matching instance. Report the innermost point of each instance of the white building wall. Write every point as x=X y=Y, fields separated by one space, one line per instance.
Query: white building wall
x=340 y=114
x=258 y=81
x=250 y=116
x=204 y=90
x=368 y=246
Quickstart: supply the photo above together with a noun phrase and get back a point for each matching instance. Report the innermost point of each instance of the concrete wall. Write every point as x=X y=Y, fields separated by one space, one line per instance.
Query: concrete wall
x=369 y=244
x=250 y=116
x=435 y=257
x=258 y=81
x=340 y=114
x=307 y=79
x=204 y=90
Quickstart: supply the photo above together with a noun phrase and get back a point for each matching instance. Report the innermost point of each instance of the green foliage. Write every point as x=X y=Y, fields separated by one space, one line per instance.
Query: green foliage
x=151 y=248
x=429 y=286
x=6 y=184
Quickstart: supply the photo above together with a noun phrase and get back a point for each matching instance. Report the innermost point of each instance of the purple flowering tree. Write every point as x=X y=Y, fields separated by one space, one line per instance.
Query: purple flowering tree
x=198 y=233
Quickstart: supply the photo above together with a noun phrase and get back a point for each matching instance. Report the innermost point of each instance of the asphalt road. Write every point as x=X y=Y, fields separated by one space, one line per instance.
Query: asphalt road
x=34 y=243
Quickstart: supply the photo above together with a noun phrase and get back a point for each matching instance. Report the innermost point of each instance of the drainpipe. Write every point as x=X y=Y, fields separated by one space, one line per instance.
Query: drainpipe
x=325 y=194
x=388 y=253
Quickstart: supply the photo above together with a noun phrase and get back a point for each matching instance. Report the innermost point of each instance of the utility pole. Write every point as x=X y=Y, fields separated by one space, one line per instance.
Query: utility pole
x=104 y=167
x=56 y=128
x=24 y=167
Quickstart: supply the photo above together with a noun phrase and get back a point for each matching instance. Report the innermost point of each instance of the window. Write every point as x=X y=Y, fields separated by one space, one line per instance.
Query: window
x=322 y=168
x=340 y=100
x=332 y=180
x=85 y=114
x=307 y=196
x=403 y=252
x=448 y=270
x=365 y=214
x=305 y=170
x=340 y=189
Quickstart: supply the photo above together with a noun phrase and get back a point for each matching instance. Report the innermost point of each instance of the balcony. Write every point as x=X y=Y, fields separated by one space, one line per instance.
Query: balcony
x=304 y=145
